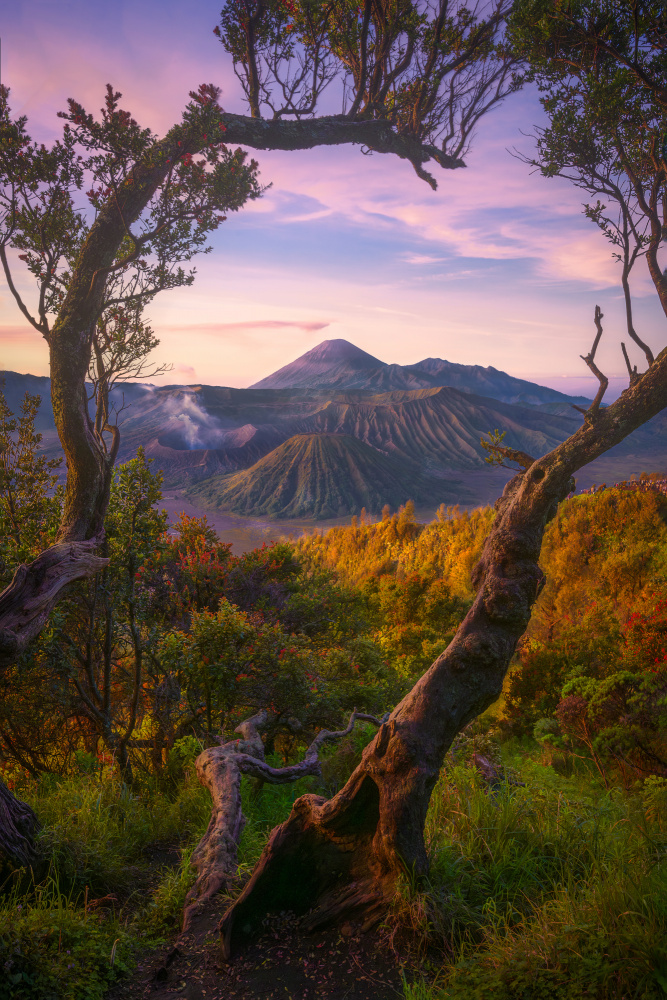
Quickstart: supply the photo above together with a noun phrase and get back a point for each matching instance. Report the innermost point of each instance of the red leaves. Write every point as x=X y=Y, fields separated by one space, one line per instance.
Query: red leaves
x=206 y=94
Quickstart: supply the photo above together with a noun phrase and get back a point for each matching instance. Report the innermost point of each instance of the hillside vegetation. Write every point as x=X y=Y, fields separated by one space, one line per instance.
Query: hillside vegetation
x=400 y=546
x=546 y=831
x=591 y=667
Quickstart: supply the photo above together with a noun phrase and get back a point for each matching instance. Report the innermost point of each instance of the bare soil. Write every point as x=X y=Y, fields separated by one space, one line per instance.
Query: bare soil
x=283 y=964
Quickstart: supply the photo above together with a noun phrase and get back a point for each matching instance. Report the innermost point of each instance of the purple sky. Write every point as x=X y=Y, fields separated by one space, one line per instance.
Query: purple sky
x=495 y=268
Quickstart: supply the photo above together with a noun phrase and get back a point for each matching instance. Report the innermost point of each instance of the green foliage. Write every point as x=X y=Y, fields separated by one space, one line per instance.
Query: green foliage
x=397 y=64
x=29 y=505
x=602 y=69
x=587 y=645
x=610 y=544
x=38 y=214
x=593 y=651
x=53 y=950
x=551 y=890
x=96 y=831
x=234 y=663
x=99 y=637
x=133 y=525
x=493 y=446
x=415 y=619
x=70 y=927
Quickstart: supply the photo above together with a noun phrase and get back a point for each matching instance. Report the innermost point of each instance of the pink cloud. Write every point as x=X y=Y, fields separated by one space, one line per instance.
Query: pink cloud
x=187 y=371
x=259 y=324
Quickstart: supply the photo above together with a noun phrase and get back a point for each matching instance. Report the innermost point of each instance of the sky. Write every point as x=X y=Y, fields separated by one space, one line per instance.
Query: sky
x=497 y=267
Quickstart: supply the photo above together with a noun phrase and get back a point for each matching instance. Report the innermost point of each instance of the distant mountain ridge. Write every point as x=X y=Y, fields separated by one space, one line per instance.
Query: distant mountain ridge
x=338 y=364
x=414 y=433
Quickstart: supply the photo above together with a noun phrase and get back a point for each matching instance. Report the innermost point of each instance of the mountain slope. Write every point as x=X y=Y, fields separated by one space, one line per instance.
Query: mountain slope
x=337 y=364
x=194 y=432
x=440 y=429
x=321 y=476
x=203 y=430
x=315 y=367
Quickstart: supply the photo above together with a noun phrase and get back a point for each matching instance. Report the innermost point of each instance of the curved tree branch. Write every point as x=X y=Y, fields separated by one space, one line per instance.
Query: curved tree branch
x=331 y=130
x=219 y=769
x=28 y=600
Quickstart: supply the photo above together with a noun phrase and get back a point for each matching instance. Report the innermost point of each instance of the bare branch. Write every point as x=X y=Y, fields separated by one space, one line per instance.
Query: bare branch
x=589 y=359
x=42 y=327
x=633 y=374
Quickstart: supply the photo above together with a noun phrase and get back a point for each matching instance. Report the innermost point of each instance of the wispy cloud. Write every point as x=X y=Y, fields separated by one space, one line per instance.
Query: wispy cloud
x=187 y=371
x=308 y=326
x=421 y=258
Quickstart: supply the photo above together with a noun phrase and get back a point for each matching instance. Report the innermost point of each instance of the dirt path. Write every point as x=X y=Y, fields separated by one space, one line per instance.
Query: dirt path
x=282 y=965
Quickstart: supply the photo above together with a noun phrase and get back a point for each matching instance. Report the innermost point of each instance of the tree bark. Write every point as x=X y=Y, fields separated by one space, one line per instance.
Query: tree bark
x=28 y=600
x=219 y=769
x=332 y=130
x=341 y=858
x=18 y=826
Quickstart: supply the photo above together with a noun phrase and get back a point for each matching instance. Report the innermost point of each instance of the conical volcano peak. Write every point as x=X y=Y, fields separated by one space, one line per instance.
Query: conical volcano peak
x=329 y=363
x=335 y=351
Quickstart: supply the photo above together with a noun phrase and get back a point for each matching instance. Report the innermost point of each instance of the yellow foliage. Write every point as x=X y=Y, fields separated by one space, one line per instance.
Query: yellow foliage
x=611 y=544
x=446 y=549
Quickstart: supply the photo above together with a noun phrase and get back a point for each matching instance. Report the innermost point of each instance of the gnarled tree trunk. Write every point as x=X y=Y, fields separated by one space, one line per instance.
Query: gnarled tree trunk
x=219 y=769
x=341 y=858
x=18 y=826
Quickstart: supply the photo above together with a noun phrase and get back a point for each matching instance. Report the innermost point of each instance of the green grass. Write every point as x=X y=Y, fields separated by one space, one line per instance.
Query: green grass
x=51 y=948
x=556 y=891
x=102 y=834
x=99 y=840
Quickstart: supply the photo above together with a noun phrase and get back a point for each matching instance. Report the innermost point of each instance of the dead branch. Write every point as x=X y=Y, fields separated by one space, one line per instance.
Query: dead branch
x=219 y=769
x=593 y=409
x=522 y=458
x=633 y=374
x=29 y=599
